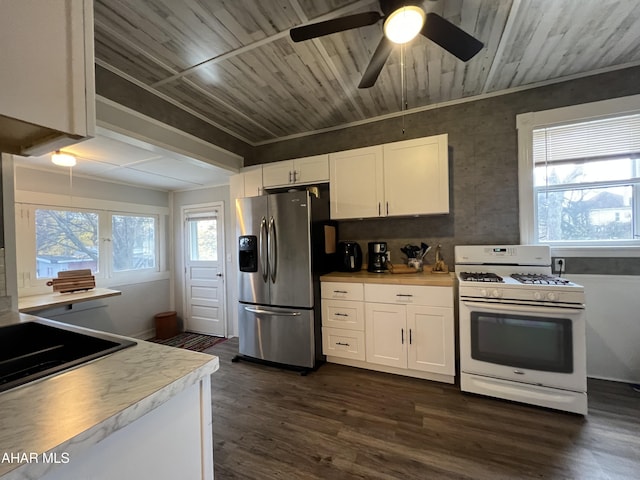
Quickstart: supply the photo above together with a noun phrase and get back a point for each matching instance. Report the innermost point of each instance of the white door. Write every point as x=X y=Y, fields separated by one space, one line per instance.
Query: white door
x=386 y=337
x=431 y=339
x=204 y=263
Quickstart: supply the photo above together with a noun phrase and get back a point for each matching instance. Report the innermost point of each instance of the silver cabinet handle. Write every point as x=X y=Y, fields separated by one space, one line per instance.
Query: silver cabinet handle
x=402 y=336
x=403 y=295
x=343 y=344
x=271 y=312
x=340 y=291
x=410 y=337
x=387 y=208
x=341 y=314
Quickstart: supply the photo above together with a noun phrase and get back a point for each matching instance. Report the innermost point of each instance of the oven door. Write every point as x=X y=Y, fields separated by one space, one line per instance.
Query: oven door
x=539 y=345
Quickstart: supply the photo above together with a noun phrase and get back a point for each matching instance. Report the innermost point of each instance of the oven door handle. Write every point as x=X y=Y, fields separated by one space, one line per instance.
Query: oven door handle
x=517 y=308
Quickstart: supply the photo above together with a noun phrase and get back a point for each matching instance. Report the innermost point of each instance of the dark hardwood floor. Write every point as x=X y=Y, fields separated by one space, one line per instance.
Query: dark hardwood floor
x=347 y=423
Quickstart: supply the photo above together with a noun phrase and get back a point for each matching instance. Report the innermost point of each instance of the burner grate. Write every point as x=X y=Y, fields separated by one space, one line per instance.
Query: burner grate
x=481 y=277
x=539 y=279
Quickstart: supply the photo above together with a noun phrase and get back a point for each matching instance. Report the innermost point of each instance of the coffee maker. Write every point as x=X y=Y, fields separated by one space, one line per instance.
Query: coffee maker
x=377 y=257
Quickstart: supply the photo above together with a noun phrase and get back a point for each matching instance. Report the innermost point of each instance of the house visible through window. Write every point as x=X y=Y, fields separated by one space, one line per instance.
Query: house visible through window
x=583 y=176
x=65 y=240
x=586 y=177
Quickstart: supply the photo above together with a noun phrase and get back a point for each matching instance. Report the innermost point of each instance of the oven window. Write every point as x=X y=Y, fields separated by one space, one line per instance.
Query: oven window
x=522 y=341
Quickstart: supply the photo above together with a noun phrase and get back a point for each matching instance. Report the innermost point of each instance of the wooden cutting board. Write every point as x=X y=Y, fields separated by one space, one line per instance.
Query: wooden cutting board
x=73 y=281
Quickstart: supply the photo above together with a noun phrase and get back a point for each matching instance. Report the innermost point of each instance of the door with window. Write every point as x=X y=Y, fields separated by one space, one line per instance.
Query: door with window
x=204 y=276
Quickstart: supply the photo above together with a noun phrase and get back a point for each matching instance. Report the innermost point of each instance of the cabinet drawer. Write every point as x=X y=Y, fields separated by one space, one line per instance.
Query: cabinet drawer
x=342 y=291
x=343 y=314
x=409 y=294
x=338 y=342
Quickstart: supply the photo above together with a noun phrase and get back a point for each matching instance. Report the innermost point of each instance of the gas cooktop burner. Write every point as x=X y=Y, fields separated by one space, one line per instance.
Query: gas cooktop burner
x=481 y=277
x=539 y=279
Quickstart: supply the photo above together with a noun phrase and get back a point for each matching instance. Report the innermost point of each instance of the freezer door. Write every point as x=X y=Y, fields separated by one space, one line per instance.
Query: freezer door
x=290 y=249
x=282 y=335
x=252 y=218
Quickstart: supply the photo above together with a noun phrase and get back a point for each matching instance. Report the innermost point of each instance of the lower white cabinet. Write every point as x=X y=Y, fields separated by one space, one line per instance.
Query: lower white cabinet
x=407 y=330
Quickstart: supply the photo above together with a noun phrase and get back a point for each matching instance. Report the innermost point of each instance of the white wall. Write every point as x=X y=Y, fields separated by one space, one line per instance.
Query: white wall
x=199 y=197
x=613 y=326
x=132 y=312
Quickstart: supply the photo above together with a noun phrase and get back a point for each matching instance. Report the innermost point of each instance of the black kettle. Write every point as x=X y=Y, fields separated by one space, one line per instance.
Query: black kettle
x=349 y=257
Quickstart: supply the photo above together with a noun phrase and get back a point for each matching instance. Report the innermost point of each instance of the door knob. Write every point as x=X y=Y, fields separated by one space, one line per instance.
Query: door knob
x=218 y=274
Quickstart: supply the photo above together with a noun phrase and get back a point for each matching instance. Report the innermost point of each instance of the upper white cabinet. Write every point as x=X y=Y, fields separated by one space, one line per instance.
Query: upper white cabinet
x=416 y=176
x=395 y=179
x=47 y=99
x=247 y=183
x=299 y=171
x=356 y=183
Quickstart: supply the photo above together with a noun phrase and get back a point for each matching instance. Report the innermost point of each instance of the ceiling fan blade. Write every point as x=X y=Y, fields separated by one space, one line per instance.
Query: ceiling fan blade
x=451 y=38
x=307 y=32
x=376 y=63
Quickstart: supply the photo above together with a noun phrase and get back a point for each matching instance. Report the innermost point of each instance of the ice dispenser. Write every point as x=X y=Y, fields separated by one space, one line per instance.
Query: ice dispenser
x=248 y=253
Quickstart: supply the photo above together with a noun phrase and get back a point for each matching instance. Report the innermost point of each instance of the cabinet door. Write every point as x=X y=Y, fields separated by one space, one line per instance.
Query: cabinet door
x=416 y=176
x=252 y=181
x=431 y=339
x=277 y=174
x=356 y=183
x=386 y=334
x=47 y=73
x=311 y=169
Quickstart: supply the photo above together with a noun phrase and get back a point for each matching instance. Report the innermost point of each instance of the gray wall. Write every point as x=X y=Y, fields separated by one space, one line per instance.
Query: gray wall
x=483 y=165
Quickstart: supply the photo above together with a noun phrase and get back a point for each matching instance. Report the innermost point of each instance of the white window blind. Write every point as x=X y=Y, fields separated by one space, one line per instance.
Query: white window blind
x=609 y=137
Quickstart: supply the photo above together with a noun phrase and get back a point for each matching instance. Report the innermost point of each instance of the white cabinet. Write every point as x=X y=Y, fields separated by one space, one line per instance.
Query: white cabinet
x=401 y=329
x=47 y=99
x=410 y=327
x=343 y=320
x=395 y=179
x=356 y=183
x=247 y=183
x=299 y=171
x=416 y=176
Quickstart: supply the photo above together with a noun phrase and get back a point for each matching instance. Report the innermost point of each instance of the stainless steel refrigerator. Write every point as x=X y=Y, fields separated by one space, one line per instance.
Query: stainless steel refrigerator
x=284 y=245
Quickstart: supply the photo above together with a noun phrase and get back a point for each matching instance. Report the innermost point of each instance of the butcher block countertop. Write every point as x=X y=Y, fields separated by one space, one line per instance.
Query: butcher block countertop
x=425 y=278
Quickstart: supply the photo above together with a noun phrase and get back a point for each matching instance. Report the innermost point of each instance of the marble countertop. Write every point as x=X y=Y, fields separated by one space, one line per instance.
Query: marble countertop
x=71 y=411
x=33 y=303
x=425 y=278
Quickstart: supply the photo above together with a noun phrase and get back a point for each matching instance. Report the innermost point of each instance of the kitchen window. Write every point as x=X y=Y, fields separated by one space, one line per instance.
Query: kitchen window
x=118 y=247
x=579 y=172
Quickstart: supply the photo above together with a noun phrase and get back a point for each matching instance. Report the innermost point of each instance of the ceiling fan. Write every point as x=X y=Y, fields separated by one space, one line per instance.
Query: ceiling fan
x=402 y=22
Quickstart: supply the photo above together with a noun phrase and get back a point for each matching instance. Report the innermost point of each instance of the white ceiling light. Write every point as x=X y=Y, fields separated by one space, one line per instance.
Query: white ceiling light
x=63 y=159
x=404 y=24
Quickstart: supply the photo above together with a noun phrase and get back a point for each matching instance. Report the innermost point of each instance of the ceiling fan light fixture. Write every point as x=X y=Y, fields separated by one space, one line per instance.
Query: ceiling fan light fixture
x=63 y=159
x=404 y=24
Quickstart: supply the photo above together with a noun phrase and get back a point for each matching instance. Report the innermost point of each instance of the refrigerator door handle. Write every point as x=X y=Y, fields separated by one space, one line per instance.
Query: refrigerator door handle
x=263 y=249
x=271 y=312
x=273 y=249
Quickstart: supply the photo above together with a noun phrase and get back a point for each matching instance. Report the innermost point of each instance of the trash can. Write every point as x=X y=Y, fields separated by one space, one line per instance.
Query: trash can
x=166 y=325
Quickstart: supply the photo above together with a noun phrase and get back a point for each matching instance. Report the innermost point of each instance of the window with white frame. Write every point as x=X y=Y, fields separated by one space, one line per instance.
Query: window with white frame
x=114 y=245
x=580 y=175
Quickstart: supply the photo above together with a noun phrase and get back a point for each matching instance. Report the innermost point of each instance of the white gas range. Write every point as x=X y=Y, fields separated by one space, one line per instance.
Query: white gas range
x=522 y=329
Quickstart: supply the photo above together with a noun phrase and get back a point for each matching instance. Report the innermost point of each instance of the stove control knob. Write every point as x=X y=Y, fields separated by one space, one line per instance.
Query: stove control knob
x=537 y=296
x=483 y=292
x=496 y=293
x=552 y=296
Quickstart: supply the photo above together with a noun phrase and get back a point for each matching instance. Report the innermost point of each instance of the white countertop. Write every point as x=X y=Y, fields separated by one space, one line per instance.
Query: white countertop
x=34 y=303
x=73 y=410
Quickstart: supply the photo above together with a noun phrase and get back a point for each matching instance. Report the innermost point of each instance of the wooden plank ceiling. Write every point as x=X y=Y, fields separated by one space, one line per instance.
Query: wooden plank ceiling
x=232 y=63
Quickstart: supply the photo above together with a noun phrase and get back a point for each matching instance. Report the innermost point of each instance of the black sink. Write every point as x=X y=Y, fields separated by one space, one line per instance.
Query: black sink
x=32 y=350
